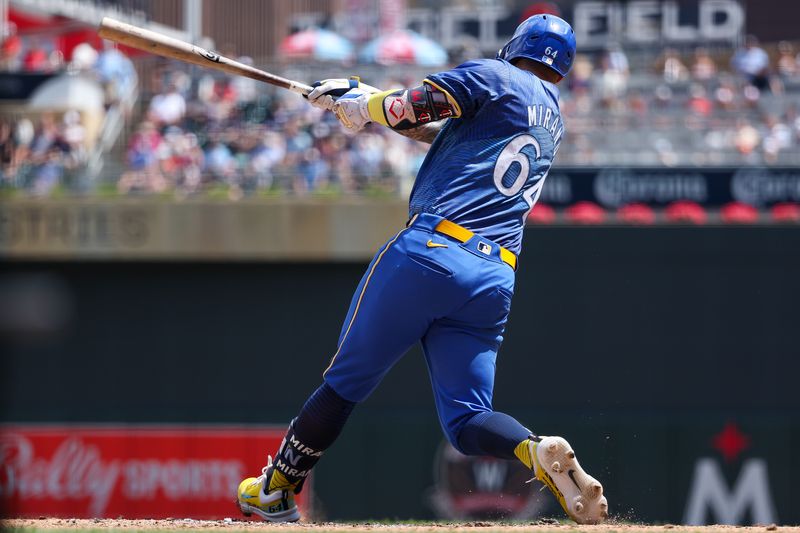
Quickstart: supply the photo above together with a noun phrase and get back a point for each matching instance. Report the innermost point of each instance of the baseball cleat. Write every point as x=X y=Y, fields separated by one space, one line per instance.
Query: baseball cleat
x=275 y=506
x=579 y=494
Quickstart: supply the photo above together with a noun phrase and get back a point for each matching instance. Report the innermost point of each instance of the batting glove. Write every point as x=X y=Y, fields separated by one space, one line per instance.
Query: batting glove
x=352 y=109
x=326 y=92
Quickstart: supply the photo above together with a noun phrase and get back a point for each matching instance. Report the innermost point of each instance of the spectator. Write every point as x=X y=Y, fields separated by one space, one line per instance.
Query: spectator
x=664 y=96
x=245 y=89
x=703 y=69
x=265 y=156
x=84 y=58
x=793 y=120
x=11 y=49
x=614 y=75
x=778 y=138
x=74 y=135
x=49 y=173
x=48 y=137
x=168 y=108
x=747 y=138
x=36 y=59
x=699 y=102
x=297 y=139
x=314 y=171
x=116 y=72
x=55 y=61
x=220 y=163
x=752 y=63
x=581 y=75
x=674 y=71
x=144 y=174
x=725 y=94
x=787 y=62
x=24 y=133
x=7 y=150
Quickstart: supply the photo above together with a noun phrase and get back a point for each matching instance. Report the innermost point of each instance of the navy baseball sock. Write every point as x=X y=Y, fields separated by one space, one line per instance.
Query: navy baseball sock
x=492 y=433
x=316 y=427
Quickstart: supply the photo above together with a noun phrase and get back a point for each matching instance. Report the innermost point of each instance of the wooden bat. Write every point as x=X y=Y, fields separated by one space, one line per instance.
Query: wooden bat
x=162 y=45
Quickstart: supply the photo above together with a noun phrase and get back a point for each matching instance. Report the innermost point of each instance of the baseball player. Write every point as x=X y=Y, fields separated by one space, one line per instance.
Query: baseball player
x=447 y=279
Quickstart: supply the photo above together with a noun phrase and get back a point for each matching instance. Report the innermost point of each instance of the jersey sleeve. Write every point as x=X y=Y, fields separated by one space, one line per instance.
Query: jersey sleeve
x=472 y=85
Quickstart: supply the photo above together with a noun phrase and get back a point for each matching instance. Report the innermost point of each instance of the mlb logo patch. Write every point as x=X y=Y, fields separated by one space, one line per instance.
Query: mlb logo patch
x=547 y=60
x=484 y=248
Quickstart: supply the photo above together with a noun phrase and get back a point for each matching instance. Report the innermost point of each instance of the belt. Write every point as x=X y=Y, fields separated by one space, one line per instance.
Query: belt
x=462 y=234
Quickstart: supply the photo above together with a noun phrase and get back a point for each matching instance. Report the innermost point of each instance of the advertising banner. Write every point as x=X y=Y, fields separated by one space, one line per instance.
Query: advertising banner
x=130 y=472
x=710 y=187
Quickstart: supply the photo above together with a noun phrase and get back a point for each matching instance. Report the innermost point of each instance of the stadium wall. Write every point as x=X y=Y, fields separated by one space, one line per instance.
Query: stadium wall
x=667 y=355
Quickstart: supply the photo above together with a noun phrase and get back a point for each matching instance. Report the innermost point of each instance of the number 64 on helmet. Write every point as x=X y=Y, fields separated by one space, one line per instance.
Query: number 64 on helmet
x=546 y=39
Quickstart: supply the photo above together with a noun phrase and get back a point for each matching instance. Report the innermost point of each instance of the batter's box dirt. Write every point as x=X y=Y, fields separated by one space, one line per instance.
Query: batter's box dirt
x=53 y=524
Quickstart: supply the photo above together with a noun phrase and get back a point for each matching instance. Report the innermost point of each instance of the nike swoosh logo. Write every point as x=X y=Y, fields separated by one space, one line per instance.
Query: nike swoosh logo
x=432 y=244
x=571 y=474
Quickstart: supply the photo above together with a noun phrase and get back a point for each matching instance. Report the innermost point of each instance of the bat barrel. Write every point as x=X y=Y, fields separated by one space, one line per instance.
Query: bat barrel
x=163 y=45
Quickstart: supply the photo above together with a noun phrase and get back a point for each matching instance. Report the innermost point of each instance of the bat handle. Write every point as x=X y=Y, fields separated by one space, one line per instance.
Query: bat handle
x=301 y=88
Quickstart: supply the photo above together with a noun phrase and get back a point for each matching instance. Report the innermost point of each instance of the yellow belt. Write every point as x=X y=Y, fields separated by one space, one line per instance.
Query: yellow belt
x=462 y=234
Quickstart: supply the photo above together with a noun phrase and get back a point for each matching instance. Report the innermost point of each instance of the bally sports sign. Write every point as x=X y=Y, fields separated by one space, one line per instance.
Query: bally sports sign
x=131 y=472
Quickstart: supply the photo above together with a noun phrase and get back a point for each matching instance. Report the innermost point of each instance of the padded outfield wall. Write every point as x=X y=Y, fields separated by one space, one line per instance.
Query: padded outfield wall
x=669 y=356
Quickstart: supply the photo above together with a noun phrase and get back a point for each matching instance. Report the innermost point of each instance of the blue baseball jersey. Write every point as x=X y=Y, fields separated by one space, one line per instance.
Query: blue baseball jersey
x=486 y=169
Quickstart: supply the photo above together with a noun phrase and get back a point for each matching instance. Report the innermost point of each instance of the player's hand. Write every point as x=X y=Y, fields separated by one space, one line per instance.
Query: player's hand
x=326 y=92
x=351 y=109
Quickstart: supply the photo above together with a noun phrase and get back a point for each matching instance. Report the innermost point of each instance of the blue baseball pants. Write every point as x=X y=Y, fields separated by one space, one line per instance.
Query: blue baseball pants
x=453 y=297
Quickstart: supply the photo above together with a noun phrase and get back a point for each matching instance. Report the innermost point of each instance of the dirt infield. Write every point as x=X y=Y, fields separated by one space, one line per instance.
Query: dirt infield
x=50 y=524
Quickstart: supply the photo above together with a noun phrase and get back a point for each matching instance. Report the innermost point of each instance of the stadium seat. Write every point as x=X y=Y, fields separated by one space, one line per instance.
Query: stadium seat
x=542 y=214
x=641 y=214
x=739 y=213
x=786 y=212
x=585 y=213
x=686 y=213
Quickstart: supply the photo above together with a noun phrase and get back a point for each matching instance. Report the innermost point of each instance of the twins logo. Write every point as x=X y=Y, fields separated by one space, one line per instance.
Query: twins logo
x=211 y=56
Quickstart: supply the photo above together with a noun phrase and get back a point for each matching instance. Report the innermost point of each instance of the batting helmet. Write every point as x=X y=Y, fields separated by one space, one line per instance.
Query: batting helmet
x=546 y=39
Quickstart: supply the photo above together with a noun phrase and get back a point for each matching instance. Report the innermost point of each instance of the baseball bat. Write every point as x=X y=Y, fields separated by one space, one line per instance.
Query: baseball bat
x=162 y=45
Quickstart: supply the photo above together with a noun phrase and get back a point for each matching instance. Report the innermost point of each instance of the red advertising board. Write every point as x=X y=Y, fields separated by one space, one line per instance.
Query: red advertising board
x=130 y=471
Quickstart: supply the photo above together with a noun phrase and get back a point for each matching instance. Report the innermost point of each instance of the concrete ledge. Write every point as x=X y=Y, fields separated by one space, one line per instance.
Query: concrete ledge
x=280 y=230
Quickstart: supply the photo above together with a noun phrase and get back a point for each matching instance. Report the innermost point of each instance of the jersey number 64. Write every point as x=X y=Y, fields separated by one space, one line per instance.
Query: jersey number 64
x=511 y=154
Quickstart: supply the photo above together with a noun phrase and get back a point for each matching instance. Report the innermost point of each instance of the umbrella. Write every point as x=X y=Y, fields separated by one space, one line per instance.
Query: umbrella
x=404 y=46
x=69 y=92
x=316 y=43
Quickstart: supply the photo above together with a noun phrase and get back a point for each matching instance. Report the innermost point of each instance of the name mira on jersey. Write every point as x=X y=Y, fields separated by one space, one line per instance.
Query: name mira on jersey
x=547 y=118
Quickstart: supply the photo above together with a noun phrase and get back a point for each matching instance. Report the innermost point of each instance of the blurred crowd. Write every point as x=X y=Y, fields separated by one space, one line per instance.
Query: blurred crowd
x=237 y=137
x=41 y=156
x=700 y=108
x=212 y=134
x=42 y=151
x=703 y=108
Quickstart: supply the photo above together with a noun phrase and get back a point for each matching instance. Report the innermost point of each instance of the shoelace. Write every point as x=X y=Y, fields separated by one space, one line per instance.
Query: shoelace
x=269 y=464
x=534 y=478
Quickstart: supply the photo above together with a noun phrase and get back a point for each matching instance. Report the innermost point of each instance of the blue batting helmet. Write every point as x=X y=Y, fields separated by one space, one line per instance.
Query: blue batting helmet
x=546 y=39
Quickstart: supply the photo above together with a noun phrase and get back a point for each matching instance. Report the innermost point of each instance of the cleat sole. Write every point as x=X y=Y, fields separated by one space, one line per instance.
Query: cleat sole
x=579 y=494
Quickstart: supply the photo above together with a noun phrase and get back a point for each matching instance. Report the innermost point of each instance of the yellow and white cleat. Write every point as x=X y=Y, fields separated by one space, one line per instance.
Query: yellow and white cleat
x=275 y=506
x=579 y=494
